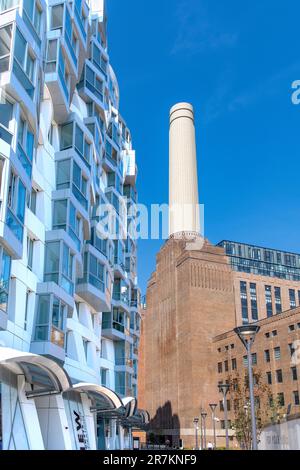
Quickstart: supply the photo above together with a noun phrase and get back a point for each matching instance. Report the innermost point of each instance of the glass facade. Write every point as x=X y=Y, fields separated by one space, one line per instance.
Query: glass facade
x=262 y=261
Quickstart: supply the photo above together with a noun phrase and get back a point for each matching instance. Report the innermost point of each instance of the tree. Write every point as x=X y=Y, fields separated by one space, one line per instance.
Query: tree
x=267 y=409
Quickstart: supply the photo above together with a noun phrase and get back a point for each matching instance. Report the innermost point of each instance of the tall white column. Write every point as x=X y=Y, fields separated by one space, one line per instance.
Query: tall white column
x=184 y=214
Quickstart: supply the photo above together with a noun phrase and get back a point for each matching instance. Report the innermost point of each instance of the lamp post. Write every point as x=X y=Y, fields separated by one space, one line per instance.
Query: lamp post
x=224 y=388
x=213 y=407
x=196 y=421
x=203 y=416
x=247 y=335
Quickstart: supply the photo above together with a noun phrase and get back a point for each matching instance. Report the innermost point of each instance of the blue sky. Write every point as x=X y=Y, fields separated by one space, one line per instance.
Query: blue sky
x=235 y=61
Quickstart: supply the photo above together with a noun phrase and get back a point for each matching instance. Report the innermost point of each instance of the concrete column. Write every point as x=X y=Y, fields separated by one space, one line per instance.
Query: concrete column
x=184 y=213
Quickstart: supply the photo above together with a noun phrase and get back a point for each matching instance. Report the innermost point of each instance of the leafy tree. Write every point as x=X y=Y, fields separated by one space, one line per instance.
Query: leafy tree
x=267 y=409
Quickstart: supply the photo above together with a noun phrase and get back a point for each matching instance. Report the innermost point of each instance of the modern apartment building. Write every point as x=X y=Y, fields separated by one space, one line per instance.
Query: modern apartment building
x=69 y=310
x=196 y=294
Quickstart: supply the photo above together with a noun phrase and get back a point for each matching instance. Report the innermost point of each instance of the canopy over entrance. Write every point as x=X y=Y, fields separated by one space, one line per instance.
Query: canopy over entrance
x=105 y=401
x=45 y=376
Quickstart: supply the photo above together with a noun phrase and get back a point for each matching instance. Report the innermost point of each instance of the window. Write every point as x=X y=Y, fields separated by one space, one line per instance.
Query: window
x=269 y=257
x=292 y=294
x=278 y=305
x=33 y=13
x=233 y=364
x=104 y=377
x=290 y=260
x=59 y=265
x=93 y=83
x=277 y=353
x=280 y=398
x=63 y=168
x=51 y=58
x=294 y=373
x=226 y=366
x=24 y=63
x=26 y=310
x=245 y=361
x=269 y=306
x=66 y=136
x=244 y=302
x=253 y=297
x=32 y=201
x=5 y=265
x=269 y=378
x=16 y=206
x=50 y=320
x=82 y=147
x=85 y=347
x=57 y=14
x=274 y=333
x=5 y=47
x=30 y=246
x=291 y=328
x=267 y=335
x=221 y=405
x=254 y=359
x=220 y=367
x=58 y=314
x=296 y=398
x=79 y=187
x=292 y=349
x=279 y=377
x=267 y=355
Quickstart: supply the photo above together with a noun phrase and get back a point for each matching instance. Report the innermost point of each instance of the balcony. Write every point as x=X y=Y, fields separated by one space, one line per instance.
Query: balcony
x=91 y=87
x=113 y=325
x=50 y=327
x=92 y=286
x=57 y=79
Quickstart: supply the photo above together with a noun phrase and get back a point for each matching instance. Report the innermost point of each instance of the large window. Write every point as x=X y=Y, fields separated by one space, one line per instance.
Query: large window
x=94 y=83
x=278 y=305
x=32 y=15
x=24 y=64
x=66 y=218
x=94 y=272
x=59 y=265
x=57 y=14
x=253 y=297
x=16 y=206
x=79 y=187
x=25 y=145
x=4 y=279
x=292 y=295
x=269 y=305
x=5 y=46
x=6 y=117
x=244 y=302
x=50 y=320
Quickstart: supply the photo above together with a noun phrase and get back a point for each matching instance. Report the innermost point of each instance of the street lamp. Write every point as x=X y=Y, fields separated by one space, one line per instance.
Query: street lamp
x=203 y=416
x=247 y=335
x=224 y=388
x=213 y=407
x=196 y=421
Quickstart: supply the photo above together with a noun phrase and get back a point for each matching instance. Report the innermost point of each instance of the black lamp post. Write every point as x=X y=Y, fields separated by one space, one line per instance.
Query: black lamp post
x=196 y=421
x=224 y=389
x=203 y=416
x=213 y=407
x=247 y=336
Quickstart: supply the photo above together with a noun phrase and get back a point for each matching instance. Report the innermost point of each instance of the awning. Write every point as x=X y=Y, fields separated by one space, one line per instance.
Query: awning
x=139 y=420
x=130 y=404
x=104 y=400
x=45 y=375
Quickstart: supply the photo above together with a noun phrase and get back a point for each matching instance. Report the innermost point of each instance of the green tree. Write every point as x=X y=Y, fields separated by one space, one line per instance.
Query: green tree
x=267 y=409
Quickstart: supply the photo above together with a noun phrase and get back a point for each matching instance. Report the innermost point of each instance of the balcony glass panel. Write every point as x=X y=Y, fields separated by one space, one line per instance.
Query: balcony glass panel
x=69 y=35
x=5 y=47
x=79 y=17
x=32 y=17
x=62 y=74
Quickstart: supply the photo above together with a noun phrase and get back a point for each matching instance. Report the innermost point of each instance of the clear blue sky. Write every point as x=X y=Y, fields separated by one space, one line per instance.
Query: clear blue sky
x=235 y=61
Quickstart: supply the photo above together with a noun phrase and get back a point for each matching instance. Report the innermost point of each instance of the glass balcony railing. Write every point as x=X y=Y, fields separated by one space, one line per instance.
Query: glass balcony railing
x=75 y=238
x=89 y=278
x=23 y=79
x=80 y=22
x=25 y=160
x=14 y=225
x=80 y=197
x=31 y=27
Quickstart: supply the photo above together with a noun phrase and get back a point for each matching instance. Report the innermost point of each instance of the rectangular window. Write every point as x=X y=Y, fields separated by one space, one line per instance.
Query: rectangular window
x=244 y=302
x=253 y=297
x=279 y=376
x=269 y=378
x=63 y=168
x=30 y=247
x=233 y=364
x=277 y=353
x=292 y=349
x=57 y=14
x=296 y=398
x=278 y=305
x=245 y=361
x=254 y=359
x=226 y=366
x=294 y=373
x=104 y=376
x=269 y=306
x=220 y=367
x=280 y=398
x=292 y=294
x=26 y=310
x=267 y=355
